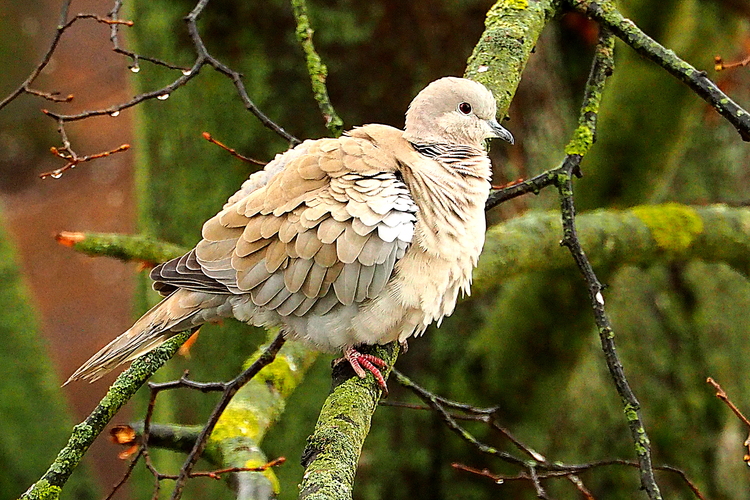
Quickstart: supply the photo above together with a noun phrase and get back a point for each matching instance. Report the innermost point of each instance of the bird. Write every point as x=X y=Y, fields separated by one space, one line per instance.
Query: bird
x=363 y=239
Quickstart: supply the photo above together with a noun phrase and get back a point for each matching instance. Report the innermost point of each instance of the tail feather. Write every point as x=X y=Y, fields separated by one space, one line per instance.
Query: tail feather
x=160 y=323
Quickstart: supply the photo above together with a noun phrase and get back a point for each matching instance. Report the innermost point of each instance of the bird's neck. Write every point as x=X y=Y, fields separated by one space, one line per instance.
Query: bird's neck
x=461 y=159
x=450 y=191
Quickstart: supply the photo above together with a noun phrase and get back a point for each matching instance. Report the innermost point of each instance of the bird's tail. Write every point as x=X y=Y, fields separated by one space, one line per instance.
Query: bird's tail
x=178 y=312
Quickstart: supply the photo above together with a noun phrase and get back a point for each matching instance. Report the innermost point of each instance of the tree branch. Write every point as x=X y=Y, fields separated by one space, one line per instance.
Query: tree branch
x=511 y=32
x=124 y=247
x=579 y=145
x=606 y=14
x=641 y=235
x=50 y=484
x=229 y=390
x=316 y=68
x=332 y=452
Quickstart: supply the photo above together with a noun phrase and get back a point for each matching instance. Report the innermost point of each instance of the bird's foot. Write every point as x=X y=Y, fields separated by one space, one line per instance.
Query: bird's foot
x=363 y=363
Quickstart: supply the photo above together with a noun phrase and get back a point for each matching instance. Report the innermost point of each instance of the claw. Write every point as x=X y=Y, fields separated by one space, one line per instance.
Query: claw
x=363 y=363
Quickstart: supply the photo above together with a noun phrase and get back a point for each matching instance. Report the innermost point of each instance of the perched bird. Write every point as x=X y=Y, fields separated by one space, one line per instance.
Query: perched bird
x=363 y=239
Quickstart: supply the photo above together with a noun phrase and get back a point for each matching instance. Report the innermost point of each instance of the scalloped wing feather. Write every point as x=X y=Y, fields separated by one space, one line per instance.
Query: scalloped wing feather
x=325 y=229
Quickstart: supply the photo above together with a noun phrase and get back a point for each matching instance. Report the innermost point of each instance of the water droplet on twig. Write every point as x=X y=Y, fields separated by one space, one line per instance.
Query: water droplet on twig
x=56 y=175
x=163 y=97
x=187 y=72
x=135 y=68
x=114 y=113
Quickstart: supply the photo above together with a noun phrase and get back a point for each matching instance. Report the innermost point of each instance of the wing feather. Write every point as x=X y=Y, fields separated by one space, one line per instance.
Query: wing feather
x=322 y=225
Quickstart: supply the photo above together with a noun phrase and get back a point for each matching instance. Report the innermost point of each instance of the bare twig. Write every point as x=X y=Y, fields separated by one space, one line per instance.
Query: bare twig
x=231 y=151
x=720 y=65
x=73 y=159
x=721 y=394
x=63 y=25
x=50 y=96
x=229 y=390
x=533 y=185
x=579 y=468
x=203 y=58
x=537 y=468
x=116 y=47
x=126 y=476
x=216 y=474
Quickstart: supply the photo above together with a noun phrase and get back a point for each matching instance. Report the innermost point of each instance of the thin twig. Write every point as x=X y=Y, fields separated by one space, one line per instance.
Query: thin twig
x=432 y=401
x=577 y=469
x=117 y=48
x=230 y=389
x=63 y=25
x=316 y=68
x=720 y=65
x=231 y=151
x=584 y=138
x=721 y=394
x=50 y=96
x=203 y=58
x=538 y=461
x=73 y=159
x=216 y=474
x=533 y=185
x=126 y=476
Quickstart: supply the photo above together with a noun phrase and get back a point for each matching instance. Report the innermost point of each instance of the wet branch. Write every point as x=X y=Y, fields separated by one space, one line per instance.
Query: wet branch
x=203 y=58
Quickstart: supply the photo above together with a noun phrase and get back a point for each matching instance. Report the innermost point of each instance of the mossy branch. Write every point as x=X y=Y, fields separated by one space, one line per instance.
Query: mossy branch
x=316 y=68
x=606 y=14
x=641 y=235
x=129 y=381
x=332 y=453
x=236 y=439
x=121 y=246
x=512 y=28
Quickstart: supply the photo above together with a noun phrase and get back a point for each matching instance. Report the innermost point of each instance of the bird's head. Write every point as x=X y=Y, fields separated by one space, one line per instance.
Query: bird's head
x=454 y=111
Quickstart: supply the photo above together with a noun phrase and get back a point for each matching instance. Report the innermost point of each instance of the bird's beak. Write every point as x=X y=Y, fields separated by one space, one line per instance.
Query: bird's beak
x=499 y=132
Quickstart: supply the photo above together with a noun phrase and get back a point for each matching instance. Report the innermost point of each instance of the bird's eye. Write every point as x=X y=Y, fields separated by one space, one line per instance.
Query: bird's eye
x=464 y=108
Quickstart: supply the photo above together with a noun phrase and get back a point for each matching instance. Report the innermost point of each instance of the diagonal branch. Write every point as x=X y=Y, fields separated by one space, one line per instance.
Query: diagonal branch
x=606 y=14
x=51 y=483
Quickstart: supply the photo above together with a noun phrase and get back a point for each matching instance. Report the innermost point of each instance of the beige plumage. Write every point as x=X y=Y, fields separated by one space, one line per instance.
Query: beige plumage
x=363 y=239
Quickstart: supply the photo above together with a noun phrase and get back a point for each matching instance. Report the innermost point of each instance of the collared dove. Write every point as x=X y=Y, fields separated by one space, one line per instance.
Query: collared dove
x=363 y=239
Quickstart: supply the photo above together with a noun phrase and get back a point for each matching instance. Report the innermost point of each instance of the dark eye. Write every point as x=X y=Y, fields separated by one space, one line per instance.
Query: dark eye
x=464 y=108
